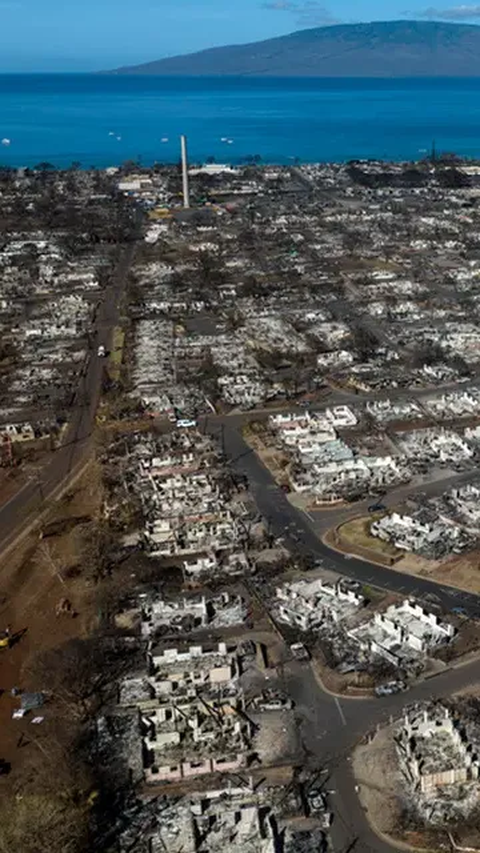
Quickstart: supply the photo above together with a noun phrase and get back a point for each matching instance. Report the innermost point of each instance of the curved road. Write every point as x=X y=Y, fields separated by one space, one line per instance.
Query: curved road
x=293 y=525
x=21 y=509
x=331 y=726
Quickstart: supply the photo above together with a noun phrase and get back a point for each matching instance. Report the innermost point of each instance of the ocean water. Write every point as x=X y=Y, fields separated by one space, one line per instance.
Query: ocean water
x=104 y=120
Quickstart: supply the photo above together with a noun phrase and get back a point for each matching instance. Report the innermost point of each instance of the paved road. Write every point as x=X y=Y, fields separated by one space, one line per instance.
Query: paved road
x=330 y=727
x=19 y=510
x=328 y=736
x=290 y=523
x=344 y=396
x=322 y=518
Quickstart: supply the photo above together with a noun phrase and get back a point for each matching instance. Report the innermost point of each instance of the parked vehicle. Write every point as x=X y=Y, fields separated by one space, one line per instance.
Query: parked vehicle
x=299 y=651
x=5 y=639
x=185 y=423
x=376 y=507
x=390 y=688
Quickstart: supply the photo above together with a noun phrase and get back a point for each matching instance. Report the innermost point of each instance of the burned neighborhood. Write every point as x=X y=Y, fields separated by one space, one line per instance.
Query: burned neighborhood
x=240 y=478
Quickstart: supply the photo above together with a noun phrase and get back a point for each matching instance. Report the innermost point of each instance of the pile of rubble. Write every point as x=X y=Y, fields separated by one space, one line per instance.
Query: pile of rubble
x=238 y=814
x=195 y=613
x=403 y=635
x=323 y=464
x=439 y=764
x=190 y=508
x=191 y=711
x=442 y=526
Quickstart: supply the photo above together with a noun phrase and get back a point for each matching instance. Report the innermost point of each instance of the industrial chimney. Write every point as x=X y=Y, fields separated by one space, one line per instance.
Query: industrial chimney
x=186 y=193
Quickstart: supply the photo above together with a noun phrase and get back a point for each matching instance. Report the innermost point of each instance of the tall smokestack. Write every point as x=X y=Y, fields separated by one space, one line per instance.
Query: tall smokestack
x=186 y=193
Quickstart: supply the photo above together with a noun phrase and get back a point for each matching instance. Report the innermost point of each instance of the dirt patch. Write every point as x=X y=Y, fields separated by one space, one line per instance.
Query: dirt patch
x=33 y=580
x=462 y=571
x=466 y=644
x=353 y=537
x=276 y=740
x=376 y=772
x=277 y=461
x=380 y=790
x=356 y=685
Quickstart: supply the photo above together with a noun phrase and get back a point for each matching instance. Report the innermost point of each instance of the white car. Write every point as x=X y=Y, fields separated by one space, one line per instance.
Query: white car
x=185 y=423
x=101 y=351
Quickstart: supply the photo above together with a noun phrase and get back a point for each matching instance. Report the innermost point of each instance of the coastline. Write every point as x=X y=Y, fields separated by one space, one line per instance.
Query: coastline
x=103 y=119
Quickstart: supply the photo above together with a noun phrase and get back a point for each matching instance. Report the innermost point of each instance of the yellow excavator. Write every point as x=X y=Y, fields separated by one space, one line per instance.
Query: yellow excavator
x=5 y=639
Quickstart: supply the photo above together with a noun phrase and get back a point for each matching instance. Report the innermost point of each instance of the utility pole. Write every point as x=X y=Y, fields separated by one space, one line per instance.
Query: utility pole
x=186 y=192
x=174 y=353
x=224 y=452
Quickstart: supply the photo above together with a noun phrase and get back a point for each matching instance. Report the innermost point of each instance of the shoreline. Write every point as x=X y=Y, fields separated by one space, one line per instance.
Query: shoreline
x=105 y=118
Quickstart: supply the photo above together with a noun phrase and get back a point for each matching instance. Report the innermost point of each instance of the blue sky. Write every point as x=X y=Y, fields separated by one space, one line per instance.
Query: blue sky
x=61 y=35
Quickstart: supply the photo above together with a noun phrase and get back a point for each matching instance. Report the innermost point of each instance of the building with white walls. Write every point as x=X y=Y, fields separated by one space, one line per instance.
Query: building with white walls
x=314 y=605
x=402 y=632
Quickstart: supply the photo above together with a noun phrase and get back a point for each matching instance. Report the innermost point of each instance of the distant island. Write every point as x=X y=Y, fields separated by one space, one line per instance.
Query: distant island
x=379 y=49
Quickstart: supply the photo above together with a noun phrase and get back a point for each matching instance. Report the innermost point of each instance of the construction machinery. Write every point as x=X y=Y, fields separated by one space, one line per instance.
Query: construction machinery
x=5 y=639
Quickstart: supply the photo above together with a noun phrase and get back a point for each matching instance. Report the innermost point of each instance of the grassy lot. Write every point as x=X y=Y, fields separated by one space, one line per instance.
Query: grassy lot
x=116 y=355
x=357 y=533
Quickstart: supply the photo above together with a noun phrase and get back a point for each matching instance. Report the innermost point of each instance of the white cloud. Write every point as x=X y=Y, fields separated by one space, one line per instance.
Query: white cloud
x=454 y=13
x=309 y=13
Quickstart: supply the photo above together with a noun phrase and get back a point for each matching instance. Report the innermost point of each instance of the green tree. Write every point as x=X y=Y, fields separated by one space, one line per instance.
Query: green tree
x=44 y=166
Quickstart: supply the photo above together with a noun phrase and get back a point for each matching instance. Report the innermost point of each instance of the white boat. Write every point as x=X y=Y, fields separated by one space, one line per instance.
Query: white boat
x=164 y=139
x=6 y=141
x=224 y=139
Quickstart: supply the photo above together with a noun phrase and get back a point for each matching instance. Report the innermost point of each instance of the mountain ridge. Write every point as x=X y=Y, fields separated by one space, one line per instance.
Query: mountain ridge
x=377 y=49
